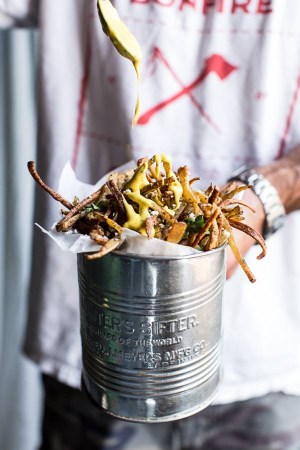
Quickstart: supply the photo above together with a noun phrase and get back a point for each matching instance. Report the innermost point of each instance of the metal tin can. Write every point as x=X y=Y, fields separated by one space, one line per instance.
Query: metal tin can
x=151 y=331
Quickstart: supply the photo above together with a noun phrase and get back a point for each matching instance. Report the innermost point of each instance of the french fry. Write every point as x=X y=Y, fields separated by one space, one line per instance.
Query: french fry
x=251 y=232
x=176 y=232
x=108 y=247
x=54 y=194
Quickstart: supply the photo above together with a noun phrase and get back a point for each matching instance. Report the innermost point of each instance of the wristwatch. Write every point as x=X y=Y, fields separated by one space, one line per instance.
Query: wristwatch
x=274 y=210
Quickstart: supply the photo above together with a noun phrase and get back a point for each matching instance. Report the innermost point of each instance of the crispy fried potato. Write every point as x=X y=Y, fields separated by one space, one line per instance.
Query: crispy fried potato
x=108 y=247
x=176 y=232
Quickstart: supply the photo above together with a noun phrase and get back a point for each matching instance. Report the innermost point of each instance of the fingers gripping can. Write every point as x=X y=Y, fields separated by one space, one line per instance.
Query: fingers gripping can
x=151 y=331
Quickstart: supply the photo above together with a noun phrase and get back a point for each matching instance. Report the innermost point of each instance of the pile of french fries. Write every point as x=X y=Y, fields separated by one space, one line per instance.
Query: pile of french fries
x=158 y=203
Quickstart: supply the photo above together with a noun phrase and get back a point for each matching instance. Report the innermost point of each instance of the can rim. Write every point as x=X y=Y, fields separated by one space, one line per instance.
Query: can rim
x=125 y=254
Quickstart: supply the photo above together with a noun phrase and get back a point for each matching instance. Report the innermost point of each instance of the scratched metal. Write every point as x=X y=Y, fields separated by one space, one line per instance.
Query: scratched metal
x=151 y=331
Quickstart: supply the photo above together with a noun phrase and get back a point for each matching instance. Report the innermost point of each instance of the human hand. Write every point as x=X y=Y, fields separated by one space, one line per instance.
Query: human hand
x=255 y=220
x=284 y=175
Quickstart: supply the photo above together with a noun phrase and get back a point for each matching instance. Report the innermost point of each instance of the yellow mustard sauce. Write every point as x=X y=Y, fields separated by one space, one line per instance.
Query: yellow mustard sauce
x=124 y=42
x=137 y=111
x=136 y=221
x=175 y=186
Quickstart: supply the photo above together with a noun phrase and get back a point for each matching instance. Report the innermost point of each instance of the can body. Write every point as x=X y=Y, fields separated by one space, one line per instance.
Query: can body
x=151 y=333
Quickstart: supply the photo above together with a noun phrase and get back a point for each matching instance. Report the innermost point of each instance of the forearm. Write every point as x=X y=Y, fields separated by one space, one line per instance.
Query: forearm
x=284 y=175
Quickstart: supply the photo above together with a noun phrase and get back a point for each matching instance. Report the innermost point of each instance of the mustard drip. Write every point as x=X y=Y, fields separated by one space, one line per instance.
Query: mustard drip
x=175 y=186
x=124 y=42
x=136 y=221
x=137 y=111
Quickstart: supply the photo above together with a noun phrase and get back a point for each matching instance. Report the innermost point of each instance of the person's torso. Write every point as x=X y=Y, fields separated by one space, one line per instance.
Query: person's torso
x=220 y=85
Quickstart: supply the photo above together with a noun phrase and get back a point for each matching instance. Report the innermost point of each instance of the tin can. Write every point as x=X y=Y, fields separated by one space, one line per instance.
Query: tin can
x=151 y=330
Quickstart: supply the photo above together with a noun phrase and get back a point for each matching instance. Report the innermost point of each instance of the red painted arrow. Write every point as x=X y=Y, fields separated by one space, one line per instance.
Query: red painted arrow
x=214 y=64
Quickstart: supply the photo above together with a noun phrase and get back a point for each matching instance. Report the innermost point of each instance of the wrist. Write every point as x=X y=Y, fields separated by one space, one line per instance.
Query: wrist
x=265 y=199
x=285 y=176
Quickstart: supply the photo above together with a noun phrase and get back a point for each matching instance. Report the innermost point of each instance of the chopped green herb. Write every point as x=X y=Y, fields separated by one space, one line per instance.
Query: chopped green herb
x=95 y=207
x=195 y=225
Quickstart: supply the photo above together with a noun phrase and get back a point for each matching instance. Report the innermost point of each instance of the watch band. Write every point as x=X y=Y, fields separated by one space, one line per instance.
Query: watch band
x=274 y=210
